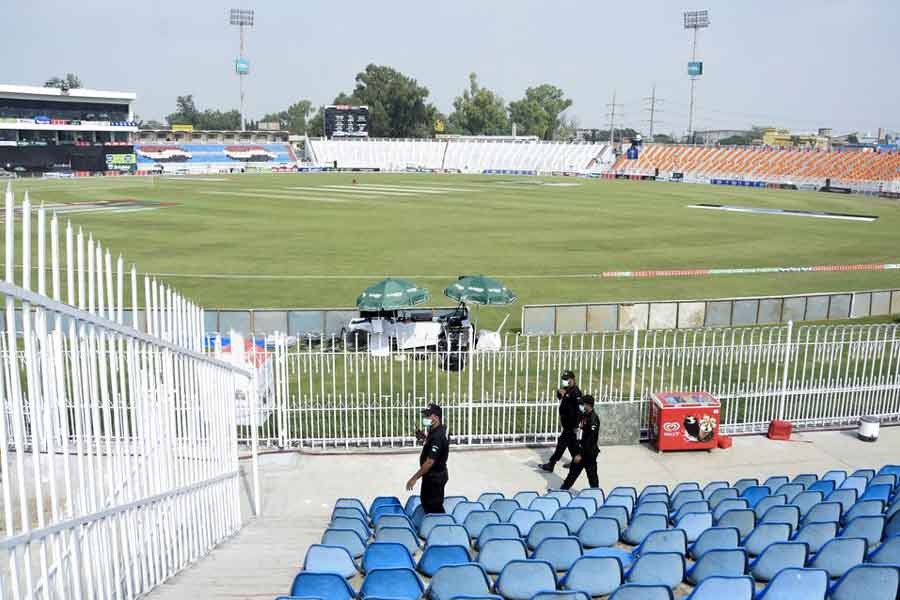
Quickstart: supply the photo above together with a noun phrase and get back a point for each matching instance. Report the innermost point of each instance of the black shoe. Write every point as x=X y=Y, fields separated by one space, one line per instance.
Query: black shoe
x=547 y=467
x=567 y=465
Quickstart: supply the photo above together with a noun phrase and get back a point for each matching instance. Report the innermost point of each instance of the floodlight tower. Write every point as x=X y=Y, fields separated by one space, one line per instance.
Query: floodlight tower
x=695 y=20
x=241 y=17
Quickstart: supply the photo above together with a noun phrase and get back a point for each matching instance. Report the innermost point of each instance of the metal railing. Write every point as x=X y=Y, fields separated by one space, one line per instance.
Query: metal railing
x=117 y=442
x=330 y=394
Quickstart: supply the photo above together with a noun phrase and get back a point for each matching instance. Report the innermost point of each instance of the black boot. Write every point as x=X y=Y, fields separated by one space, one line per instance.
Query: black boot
x=547 y=467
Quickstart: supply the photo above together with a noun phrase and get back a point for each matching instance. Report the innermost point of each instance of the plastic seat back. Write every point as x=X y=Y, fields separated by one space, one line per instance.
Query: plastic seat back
x=380 y=501
x=869 y=528
x=658 y=497
x=324 y=586
x=458 y=580
x=525 y=519
x=525 y=498
x=694 y=524
x=522 y=579
x=640 y=526
x=864 y=508
x=837 y=556
x=594 y=575
x=573 y=516
x=504 y=508
x=755 y=493
x=790 y=490
x=712 y=487
x=350 y=512
x=892 y=527
x=595 y=493
x=657 y=568
x=884 y=479
x=329 y=559
x=846 y=497
x=824 y=512
x=546 y=529
x=400 y=535
x=742 y=484
x=826 y=486
x=462 y=510
x=806 y=500
x=684 y=497
x=392 y=583
x=619 y=513
x=352 y=503
x=386 y=555
x=776 y=481
x=477 y=520
x=764 y=535
x=561 y=595
x=435 y=557
x=777 y=557
x=546 y=506
x=561 y=552
x=393 y=521
x=695 y=506
x=796 y=584
x=743 y=519
x=887 y=553
x=816 y=535
x=878 y=491
x=487 y=498
x=720 y=588
x=498 y=531
x=431 y=521
x=653 y=488
x=729 y=504
x=684 y=486
x=357 y=525
x=651 y=508
x=783 y=514
x=836 y=475
x=386 y=509
x=417 y=515
x=448 y=535
x=412 y=503
x=497 y=553
x=894 y=469
x=869 y=582
x=855 y=482
x=724 y=538
x=599 y=532
x=805 y=479
x=718 y=563
x=664 y=540
x=563 y=496
x=626 y=502
x=623 y=490
x=345 y=538
x=450 y=503
x=586 y=503
x=637 y=591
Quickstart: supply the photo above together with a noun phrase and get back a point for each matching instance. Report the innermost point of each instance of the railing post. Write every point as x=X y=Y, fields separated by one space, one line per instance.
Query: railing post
x=471 y=368
x=254 y=441
x=634 y=352
x=784 y=373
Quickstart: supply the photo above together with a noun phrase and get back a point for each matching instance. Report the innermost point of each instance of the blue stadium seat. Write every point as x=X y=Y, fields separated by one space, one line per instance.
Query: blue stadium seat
x=561 y=595
x=431 y=521
x=824 y=512
x=763 y=535
x=651 y=508
x=726 y=504
x=619 y=513
x=684 y=486
x=878 y=491
x=497 y=553
x=626 y=502
x=595 y=493
x=838 y=555
x=653 y=488
x=892 y=527
x=805 y=479
x=846 y=497
x=657 y=568
x=887 y=553
x=386 y=509
x=459 y=580
x=504 y=508
x=563 y=496
x=450 y=503
x=573 y=516
x=345 y=538
x=755 y=493
x=826 y=486
x=351 y=503
x=664 y=540
x=869 y=528
x=867 y=474
x=624 y=490
x=789 y=490
x=895 y=469
x=462 y=510
x=783 y=514
x=412 y=503
x=392 y=583
x=710 y=488
x=380 y=501
x=417 y=515
x=561 y=552
x=327 y=586
x=357 y=525
x=796 y=584
x=658 y=497
x=743 y=519
x=625 y=557
x=598 y=532
x=499 y=531
x=721 y=588
x=588 y=504
x=594 y=575
x=522 y=579
x=640 y=526
x=869 y=582
x=476 y=597
x=713 y=539
x=816 y=535
x=836 y=475
x=487 y=498
x=768 y=502
x=477 y=520
x=777 y=557
x=718 y=563
x=435 y=557
x=776 y=481
x=448 y=535
x=806 y=500
x=525 y=498
x=524 y=519
x=546 y=506
x=884 y=479
x=694 y=524
x=329 y=559
x=636 y=591
x=399 y=535
x=696 y=506
x=684 y=497
x=350 y=512
x=546 y=529
x=893 y=507
x=742 y=484
x=386 y=555
x=394 y=521
x=864 y=508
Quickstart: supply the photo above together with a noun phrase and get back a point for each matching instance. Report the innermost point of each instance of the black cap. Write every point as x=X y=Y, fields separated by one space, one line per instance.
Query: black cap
x=587 y=399
x=567 y=375
x=433 y=410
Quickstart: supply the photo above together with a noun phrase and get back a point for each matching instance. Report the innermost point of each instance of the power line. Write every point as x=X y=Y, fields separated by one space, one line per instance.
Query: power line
x=612 y=106
x=652 y=101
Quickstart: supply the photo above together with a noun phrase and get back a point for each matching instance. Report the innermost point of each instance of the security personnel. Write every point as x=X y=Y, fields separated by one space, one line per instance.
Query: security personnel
x=568 y=395
x=586 y=458
x=432 y=461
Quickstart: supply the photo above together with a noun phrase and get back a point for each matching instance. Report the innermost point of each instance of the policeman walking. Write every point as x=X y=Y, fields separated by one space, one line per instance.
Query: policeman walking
x=568 y=395
x=586 y=456
x=432 y=461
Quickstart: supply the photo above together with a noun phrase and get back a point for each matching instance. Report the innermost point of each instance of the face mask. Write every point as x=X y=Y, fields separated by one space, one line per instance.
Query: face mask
x=565 y=383
x=582 y=408
x=426 y=422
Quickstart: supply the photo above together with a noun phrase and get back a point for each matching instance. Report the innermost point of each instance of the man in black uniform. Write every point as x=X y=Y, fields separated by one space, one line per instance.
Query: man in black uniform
x=432 y=461
x=586 y=458
x=568 y=395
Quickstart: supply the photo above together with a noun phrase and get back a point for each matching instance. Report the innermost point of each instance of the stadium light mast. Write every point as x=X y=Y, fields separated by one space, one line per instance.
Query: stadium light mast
x=695 y=20
x=242 y=18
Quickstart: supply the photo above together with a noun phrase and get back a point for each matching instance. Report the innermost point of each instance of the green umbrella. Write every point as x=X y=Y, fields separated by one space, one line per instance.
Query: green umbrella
x=479 y=289
x=391 y=294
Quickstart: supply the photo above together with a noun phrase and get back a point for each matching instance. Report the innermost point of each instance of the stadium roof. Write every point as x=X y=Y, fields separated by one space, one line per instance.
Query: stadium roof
x=75 y=93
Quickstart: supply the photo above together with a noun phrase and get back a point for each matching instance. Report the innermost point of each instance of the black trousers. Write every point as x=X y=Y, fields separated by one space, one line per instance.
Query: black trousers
x=566 y=440
x=432 y=494
x=588 y=464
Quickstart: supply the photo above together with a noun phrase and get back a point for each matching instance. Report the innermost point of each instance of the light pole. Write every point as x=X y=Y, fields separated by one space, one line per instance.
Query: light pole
x=695 y=20
x=242 y=18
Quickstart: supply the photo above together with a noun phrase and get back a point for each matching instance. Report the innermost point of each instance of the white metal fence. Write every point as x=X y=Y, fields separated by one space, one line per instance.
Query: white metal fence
x=328 y=395
x=117 y=445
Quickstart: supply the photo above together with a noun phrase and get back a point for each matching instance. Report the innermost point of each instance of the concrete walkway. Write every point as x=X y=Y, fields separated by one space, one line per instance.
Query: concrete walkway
x=299 y=490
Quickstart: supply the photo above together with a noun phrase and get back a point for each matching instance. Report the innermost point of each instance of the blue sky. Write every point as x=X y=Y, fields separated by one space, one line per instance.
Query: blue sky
x=800 y=63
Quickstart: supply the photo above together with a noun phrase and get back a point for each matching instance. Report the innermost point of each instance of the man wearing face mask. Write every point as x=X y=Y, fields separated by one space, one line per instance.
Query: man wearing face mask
x=586 y=457
x=432 y=461
x=568 y=395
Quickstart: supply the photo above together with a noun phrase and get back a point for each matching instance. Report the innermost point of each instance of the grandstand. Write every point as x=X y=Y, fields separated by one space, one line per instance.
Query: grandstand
x=462 y=155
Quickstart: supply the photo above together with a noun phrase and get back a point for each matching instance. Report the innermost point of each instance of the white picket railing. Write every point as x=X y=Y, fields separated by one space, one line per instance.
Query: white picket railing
x=117 y=446
x=327 y=395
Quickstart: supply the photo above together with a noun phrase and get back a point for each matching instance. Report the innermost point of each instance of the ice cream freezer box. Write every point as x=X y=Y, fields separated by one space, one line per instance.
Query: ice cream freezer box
x=684 y=420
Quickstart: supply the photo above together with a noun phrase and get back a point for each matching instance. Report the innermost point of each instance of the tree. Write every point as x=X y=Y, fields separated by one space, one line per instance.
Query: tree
x=735 y=140
x=294 y=119
x=852 y=139
x=151 y=124
x=540 y=111
x=479 y=111
x=186 y=113
x=663 y=138
x=70 y=82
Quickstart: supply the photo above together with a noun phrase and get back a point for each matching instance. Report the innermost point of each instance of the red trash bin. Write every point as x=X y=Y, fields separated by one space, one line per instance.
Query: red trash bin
x=684 y=420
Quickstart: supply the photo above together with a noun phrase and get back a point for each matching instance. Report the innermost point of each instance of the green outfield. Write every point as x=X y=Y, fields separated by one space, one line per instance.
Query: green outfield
x=315 y=240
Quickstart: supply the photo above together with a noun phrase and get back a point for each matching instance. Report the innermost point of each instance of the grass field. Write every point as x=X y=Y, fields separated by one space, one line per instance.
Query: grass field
x=315 y=240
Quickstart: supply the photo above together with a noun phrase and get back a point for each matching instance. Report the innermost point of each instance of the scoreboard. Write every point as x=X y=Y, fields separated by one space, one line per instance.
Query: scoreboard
x=343 y=120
